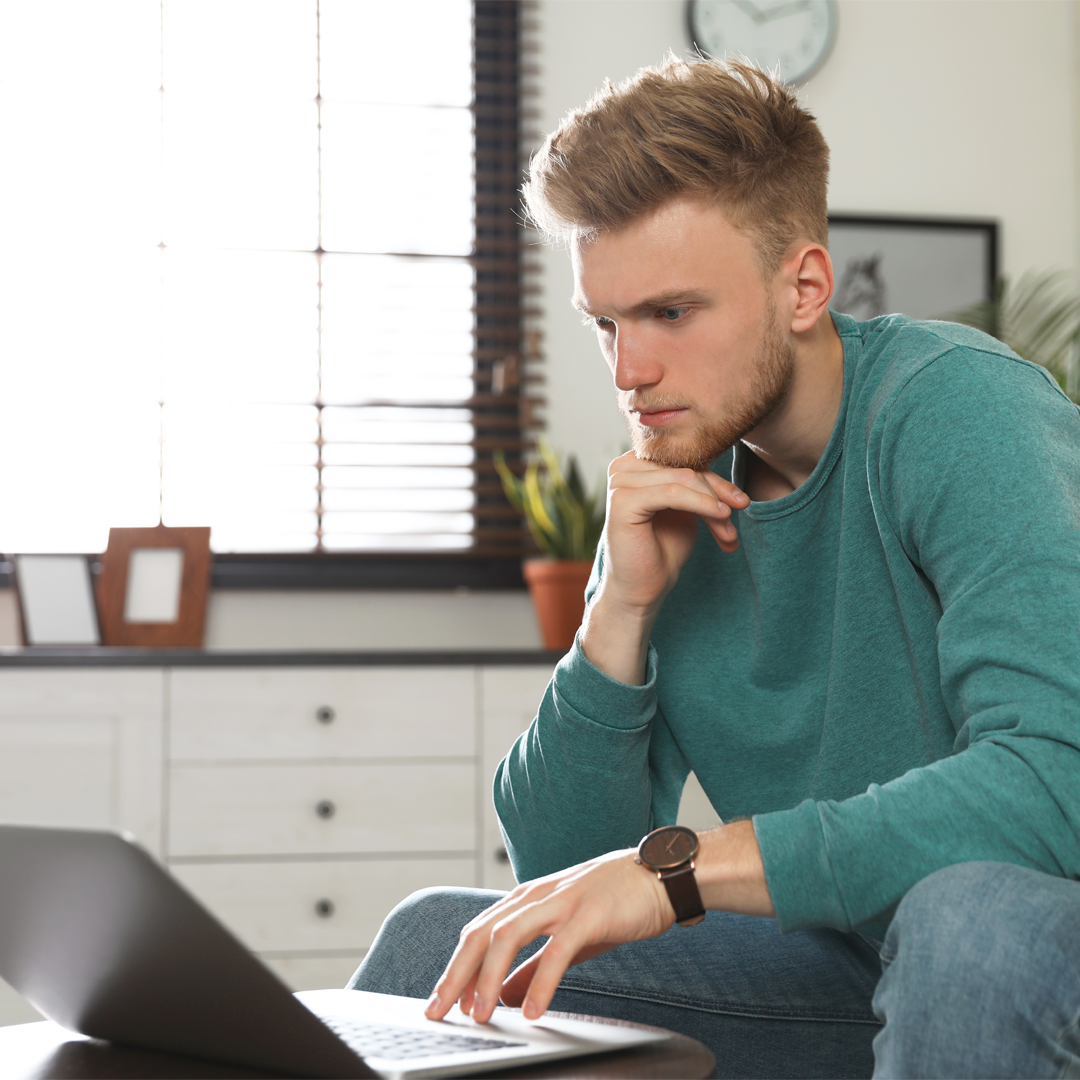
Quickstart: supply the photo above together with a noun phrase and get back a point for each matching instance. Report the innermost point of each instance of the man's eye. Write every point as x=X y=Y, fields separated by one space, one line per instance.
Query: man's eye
x=672 y=314
x=603 y=322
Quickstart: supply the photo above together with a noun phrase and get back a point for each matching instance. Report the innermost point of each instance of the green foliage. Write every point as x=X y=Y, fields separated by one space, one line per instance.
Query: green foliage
x=565 y=521
x=1038 y=318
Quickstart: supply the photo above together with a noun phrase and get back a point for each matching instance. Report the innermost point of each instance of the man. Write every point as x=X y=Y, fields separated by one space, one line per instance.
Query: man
x=840 y=581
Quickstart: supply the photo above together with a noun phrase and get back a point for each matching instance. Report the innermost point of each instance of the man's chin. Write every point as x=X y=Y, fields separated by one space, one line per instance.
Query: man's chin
x=676 y=454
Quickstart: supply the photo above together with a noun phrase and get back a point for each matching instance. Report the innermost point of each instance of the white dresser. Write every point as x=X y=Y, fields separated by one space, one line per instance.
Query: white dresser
x=299 y=797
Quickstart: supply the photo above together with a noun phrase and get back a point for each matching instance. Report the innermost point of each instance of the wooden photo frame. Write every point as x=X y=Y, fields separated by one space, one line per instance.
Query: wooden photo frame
x=153 y=585
x=928 y=268
x=56 y=600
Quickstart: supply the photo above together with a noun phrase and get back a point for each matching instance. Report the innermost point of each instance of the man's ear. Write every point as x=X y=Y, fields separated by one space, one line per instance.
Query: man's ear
x=810 y=272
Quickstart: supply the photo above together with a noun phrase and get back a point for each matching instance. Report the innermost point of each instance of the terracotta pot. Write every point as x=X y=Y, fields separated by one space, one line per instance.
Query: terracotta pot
x=558 y=592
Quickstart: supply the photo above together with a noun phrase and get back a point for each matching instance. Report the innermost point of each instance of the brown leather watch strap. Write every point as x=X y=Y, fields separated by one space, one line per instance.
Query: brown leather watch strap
x=683 y=893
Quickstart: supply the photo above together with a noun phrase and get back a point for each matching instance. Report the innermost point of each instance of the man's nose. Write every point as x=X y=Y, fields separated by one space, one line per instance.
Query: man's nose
x=634 y=367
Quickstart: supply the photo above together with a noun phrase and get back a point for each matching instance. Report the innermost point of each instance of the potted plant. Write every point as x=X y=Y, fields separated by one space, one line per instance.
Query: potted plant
x=1038 y=318
x=566 y=523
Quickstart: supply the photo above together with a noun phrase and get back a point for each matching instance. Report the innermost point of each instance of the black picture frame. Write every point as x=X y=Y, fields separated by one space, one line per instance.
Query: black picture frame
x=925 y=267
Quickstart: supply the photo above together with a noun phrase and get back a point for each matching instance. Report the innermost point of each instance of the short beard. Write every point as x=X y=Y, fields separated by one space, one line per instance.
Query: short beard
x=768 y=389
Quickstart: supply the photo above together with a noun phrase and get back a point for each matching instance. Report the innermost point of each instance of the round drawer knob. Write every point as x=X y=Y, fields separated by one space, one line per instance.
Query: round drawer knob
x=324 y=908
x=324 y=714
x=501 y=855
x=325 y=809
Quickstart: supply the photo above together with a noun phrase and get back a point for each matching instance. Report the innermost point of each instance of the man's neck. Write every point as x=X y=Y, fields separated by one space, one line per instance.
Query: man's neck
x=785 y=448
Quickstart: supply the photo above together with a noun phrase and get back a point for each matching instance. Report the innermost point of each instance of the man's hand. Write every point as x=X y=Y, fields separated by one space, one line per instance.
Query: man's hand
x=651 y=529
x=585 y=910
x=652 y=525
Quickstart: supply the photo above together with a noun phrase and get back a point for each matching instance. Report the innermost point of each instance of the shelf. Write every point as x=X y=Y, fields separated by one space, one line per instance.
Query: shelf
x=90 y=656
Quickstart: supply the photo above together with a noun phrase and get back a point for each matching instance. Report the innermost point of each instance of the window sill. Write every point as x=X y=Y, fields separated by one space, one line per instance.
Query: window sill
x=353 y=570
x=101 y=656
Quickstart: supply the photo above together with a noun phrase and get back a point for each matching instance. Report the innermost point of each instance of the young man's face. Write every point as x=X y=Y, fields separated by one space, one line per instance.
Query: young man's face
x=688 y=328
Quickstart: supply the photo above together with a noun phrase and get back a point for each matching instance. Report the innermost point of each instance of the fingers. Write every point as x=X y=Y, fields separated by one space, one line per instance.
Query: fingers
x=643 y=489
x=631 y=463
x=726 y=491
x=516 y=986
x=725 y=535
x=487 y=948
x=583 y=911
x=572 y=929
x=458 y=982
x=675 y=489
x=630 y=471
x=723 y=532
x=468 y=995
x=507 y=939
x=549 y=964
x=552 y=961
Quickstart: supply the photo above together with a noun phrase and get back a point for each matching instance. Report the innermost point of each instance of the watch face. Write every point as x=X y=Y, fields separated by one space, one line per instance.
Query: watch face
x=794 y=35
x=670 y=846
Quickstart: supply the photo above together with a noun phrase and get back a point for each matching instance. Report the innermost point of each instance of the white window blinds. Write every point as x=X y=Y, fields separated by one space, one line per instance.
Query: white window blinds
x=239 y=276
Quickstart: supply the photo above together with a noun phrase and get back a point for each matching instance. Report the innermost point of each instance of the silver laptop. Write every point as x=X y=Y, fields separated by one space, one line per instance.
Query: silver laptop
x=100 y=938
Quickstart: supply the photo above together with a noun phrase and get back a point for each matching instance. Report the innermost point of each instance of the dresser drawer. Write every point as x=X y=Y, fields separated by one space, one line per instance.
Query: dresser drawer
x=322 y=713
x=315 y=906
x=59 y=771
x=299 y=809
x=83 y=748
x=510 y=697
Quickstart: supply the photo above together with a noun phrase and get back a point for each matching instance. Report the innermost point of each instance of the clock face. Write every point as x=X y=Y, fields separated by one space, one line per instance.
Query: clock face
x=670 y=846
x=795 y=35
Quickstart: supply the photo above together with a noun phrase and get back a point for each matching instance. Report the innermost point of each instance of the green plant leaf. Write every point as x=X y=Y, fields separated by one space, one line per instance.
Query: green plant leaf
x=511 y=485
x=534 y=500
x=565 y=521
x=1038 y=318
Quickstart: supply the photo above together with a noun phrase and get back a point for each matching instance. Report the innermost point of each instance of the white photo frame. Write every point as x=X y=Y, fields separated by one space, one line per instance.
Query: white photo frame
x=155 y=575
x=56 y=600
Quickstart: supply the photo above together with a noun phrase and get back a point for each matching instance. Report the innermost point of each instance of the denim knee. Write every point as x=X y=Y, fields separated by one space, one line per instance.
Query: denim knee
x=996 y=915
x=982 y=973
x=417 y=939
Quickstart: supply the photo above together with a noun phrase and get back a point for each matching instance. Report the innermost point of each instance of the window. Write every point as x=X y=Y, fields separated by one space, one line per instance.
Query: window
x=241 y=280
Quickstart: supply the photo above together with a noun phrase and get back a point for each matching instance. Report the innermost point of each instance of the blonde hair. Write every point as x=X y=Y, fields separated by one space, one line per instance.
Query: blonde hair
x=725 y=132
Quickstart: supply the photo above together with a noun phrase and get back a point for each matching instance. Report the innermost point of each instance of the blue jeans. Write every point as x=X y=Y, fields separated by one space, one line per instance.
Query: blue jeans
x=979 y=975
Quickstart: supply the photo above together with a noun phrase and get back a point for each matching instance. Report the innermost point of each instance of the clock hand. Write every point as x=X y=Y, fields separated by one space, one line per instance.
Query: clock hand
x=750 y=9
x=780 y=11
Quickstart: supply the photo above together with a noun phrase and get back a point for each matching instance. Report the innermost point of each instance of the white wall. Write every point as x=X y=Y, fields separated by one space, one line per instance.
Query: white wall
x=9 y=618
x=955 y=107
x=366 y=619
x=351 y=619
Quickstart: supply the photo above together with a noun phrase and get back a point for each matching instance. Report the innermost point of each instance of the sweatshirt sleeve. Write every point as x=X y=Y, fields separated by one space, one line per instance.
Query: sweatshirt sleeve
x=576 y=784
x=974 y=472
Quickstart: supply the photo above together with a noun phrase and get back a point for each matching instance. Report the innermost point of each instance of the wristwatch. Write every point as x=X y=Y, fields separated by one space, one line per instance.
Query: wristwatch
x=669 y=853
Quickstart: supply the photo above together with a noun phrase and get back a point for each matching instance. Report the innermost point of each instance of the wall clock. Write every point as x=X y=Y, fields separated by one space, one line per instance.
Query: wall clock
x=797 y=35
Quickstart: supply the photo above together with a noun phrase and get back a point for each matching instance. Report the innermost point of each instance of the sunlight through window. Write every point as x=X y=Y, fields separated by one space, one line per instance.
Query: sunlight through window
x=235 y=266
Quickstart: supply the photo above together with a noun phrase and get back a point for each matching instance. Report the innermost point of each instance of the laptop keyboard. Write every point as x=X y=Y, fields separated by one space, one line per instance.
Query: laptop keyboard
x=397 y=1043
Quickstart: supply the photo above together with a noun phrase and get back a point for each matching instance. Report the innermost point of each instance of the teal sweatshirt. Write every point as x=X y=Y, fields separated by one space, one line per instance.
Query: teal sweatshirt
x=885 y=676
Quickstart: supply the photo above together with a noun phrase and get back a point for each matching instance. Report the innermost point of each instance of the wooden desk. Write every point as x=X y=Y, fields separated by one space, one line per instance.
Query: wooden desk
x=46 y=1051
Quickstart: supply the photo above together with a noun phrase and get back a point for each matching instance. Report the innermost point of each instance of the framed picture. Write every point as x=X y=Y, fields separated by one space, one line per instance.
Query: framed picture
x=56 y=600
x=927 y=268
x=152 y=586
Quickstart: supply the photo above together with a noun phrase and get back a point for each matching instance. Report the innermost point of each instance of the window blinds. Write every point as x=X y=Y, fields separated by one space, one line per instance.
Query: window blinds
x=242 y=280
